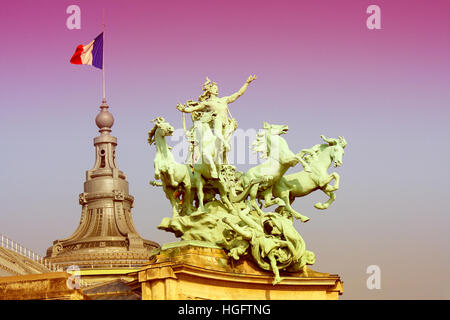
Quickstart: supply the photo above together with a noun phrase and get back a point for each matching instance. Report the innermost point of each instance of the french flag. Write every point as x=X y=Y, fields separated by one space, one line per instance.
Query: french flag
x=90 y=54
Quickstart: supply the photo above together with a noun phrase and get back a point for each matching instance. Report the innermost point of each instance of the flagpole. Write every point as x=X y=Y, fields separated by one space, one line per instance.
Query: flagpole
x=103 y=56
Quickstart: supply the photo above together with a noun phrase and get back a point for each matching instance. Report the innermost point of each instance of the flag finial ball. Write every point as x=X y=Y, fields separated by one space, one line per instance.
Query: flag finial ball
x=104 y=118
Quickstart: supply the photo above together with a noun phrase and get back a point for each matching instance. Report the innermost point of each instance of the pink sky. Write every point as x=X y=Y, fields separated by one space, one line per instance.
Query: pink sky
x=321 y=71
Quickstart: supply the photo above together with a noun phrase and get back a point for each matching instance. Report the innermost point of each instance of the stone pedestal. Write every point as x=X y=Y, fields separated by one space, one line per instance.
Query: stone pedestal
x=194 y=270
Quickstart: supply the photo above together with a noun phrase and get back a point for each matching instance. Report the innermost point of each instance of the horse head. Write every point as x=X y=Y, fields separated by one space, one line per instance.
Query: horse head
x=337 y=149
x=164 y=128
x=275 y=129
x=268 y=139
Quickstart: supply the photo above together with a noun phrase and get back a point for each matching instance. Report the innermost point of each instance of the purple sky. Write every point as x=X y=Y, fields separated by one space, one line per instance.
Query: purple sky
x=321 y=71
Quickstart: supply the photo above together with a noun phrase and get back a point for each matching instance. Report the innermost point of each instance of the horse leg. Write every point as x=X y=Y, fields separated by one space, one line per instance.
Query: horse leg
x=253 y=195
x=297 y=215
x=337 y=179
x=326 y=180
x=173 y=201
x=171 y=174
x=328 y=190
x=224 y=198
x=208 y=159
x=200 y=194
x=189 y=200
x=268 y=201
x=187 y=194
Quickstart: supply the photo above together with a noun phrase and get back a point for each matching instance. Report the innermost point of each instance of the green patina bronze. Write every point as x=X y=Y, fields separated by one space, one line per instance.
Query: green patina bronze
x=234 y=221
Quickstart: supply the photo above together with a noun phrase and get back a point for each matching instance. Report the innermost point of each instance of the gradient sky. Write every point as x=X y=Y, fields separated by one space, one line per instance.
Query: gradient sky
x=320 y=71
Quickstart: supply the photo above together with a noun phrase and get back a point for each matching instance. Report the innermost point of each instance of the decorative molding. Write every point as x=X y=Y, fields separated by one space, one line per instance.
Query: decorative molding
x=82 y=198
x=118 y=195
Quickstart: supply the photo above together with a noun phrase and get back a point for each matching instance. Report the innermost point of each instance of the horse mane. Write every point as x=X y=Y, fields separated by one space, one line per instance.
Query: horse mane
x=319 y=148
x=316 y=150
x=151 y=134
x=260 y=144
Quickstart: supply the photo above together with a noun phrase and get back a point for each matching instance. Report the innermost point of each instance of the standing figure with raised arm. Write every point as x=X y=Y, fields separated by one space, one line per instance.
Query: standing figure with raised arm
x=222 y=125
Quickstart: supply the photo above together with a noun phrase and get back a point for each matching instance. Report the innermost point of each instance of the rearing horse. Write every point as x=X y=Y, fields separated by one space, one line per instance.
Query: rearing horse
x=258 y=182
x=303 y=183
x=173 y=175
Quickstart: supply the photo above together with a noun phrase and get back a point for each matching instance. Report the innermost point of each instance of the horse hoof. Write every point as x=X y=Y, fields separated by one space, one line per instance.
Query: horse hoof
x=305 y=219
x=320 y=206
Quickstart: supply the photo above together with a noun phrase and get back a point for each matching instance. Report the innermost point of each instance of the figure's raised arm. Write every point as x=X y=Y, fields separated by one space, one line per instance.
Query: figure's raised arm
x=241 y=91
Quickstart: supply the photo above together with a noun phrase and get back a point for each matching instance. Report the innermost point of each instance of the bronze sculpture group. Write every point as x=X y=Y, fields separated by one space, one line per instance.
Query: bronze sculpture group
x=235 y=220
